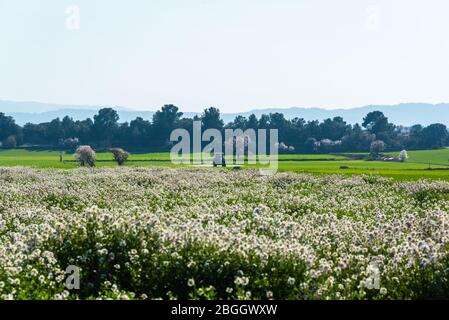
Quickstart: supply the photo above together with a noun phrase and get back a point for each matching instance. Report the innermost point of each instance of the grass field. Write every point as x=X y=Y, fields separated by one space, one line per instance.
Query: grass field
x=415 y=167
x=407 y=171
x=435 y=157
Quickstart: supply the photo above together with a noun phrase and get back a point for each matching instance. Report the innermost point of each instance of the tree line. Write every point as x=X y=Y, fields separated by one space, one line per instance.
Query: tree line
x=295 y=135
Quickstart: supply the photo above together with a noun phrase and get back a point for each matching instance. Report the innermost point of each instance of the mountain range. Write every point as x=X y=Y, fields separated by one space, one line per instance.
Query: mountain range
x=406 y=114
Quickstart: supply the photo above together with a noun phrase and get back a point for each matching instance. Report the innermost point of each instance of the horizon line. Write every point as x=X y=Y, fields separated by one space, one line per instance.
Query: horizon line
x=136 y=109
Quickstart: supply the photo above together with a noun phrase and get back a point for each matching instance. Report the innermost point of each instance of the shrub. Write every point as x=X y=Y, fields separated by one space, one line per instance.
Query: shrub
x=120 y=155
x=86 y=156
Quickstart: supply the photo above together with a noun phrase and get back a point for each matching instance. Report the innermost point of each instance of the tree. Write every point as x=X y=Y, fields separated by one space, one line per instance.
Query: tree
x=10 y=142
x=415 y=136
x=211 y=119
x=105 y=125
x=334 y=129
x=264 y=122
x=313 y=129
x=277 y=121
x=54 y=131
x=68 y=127
x=139 y=132
x=434 y=136
x=120 y=155
x=330 y=135
x=376 y=122
x=357 y=139
x=310 y=145
x=84 y=130
x=164 y=122
x=377 y=147
x=240 y=122
x=85 y=155
x=8 y=127
x=34 y=133
x=252 y=122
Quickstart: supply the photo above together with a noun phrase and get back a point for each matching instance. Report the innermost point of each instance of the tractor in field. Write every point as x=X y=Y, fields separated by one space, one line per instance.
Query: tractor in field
x=219 y=160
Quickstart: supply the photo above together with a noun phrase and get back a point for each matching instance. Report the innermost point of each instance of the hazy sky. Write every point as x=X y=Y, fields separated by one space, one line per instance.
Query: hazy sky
x=233 y=54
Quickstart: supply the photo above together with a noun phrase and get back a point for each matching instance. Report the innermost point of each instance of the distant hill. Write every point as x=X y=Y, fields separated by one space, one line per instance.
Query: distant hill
x=403 y=114
x=77 y=114
x=406 y=114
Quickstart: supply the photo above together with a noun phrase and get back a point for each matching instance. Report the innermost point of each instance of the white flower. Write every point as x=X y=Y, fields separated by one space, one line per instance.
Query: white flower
x=335 y=232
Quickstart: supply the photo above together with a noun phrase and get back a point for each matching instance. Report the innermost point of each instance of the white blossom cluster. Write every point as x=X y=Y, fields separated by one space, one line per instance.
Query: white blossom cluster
x=140 y=233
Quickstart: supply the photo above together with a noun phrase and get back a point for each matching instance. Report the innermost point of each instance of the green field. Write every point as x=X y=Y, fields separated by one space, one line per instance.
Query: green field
x=50 y=159
x=435 y=157
x=415 y=167
x=392 y=169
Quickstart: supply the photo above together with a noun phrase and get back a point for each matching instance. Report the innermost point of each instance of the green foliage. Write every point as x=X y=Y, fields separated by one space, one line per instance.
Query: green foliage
x=10 y=142
x=328 y=136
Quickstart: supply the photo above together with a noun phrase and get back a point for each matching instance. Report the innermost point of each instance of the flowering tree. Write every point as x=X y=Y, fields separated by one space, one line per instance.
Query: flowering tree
x=403 y=155
x=120 y=155
x=85 y=156
x=377 y=146
x=282 y=147
x=69 y=142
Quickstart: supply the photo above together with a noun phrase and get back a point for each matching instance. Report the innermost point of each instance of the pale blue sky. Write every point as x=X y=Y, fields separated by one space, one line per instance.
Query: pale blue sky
x=233 y=54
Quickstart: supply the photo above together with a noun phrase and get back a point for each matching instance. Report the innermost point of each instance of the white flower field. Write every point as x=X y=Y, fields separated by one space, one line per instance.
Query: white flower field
x=139 y=233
